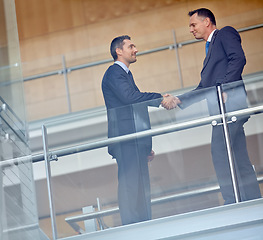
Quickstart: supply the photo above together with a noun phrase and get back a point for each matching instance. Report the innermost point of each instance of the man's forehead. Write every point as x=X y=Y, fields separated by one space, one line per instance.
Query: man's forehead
x=195 y=18
x=128 y=42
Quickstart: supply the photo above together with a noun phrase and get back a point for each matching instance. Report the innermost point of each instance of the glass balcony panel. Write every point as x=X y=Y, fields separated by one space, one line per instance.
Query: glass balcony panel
x=156 y=69
x=251 y=43
x=191 y=60
x=85 y=127
x=12 y=123
x=34 y=69
x=45 y=100
x=244 y=132
x=254 y=88
x=85 y=88
x=182 y=177
x=85 y=84
x=157 y=72
x=19 y=217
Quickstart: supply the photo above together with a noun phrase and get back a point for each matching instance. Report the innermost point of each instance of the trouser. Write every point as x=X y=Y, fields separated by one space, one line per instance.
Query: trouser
x=134 y=184
x=248 y=186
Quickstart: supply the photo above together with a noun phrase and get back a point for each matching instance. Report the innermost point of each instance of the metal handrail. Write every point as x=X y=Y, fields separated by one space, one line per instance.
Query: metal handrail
x=114 y=210
x=12 y=122
x=21 y=228
x=172 y=197
x=228 y=145
x=15 y=161
x=96 y=63
x=151 y=132
x=106 y=142
x=5 y=107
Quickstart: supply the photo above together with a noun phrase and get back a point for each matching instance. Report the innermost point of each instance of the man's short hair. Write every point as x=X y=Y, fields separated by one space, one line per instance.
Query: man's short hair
x=117 y=43
x=204 y=12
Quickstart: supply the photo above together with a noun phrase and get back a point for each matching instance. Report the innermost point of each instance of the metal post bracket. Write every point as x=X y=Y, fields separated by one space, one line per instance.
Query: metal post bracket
x=233 y=120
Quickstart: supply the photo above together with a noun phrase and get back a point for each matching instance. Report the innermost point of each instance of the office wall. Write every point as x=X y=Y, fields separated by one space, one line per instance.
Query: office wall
x=81 y=31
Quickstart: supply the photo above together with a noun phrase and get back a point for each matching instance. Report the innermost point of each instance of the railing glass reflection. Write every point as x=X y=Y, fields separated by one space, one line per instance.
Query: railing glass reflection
x=181 y=175
x=235 y=98
x=159 y=59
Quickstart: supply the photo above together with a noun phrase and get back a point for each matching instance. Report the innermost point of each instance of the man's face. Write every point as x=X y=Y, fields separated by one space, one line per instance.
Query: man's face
x=128 y=52
x=198 y=27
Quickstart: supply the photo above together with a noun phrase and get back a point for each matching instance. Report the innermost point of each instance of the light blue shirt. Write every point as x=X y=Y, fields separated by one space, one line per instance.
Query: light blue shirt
x=125 y=68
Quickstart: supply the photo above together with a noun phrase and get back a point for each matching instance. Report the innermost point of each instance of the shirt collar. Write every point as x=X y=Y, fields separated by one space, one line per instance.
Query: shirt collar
x=210 y=36
x=125 y=68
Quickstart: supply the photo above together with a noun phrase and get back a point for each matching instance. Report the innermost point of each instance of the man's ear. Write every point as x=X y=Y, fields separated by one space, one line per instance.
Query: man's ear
x=119 y=51
x=207 y=21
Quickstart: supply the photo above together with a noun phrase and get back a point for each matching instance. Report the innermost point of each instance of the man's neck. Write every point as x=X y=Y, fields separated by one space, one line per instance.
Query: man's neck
x=123 y=65
x=124 y=62
x=210 y=31
x=209 y=39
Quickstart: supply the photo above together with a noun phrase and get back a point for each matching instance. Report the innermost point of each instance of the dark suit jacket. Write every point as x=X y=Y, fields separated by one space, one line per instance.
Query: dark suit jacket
x=223 y=64
x=127 y=109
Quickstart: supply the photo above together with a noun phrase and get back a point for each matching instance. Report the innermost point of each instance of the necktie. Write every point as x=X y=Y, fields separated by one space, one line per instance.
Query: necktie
x=130 y=74
x=206 y=47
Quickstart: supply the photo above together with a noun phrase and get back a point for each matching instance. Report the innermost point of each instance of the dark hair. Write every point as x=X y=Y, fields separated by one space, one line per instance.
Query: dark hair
x=117 y=43
x=204 y=12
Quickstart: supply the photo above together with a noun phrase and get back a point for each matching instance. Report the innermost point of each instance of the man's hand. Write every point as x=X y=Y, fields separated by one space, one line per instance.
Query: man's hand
x=169 y=102
x=151 y=156
x=224 y=96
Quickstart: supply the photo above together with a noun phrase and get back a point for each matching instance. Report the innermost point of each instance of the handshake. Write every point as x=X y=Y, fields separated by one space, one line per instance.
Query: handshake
x=169 y=101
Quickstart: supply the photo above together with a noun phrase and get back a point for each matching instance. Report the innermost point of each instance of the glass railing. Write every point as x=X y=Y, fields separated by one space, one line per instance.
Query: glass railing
x=90 y=191
x=243 y=172
x=18 y=208
x=19 y=217
x=165 y=64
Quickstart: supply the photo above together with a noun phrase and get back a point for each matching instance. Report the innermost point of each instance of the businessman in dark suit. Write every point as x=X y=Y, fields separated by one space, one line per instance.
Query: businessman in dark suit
x=223 y=65
x=127 y=113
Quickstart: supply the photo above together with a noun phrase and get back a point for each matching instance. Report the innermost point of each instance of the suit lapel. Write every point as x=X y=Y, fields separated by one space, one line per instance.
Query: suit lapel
x=129 y=78
x=210 y=48
x=132 y=81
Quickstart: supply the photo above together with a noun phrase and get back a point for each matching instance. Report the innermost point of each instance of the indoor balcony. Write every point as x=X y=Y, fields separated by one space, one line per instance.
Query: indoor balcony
x=186 y=200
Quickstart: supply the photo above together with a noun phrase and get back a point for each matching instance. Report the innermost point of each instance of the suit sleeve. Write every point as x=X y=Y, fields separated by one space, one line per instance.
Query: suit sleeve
x=120 y=84
x=231 y=43
x=194 y=96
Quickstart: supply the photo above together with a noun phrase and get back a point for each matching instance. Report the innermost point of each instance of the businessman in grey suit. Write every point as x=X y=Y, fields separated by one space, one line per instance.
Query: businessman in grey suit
x=223 y=65
x=127 y=113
